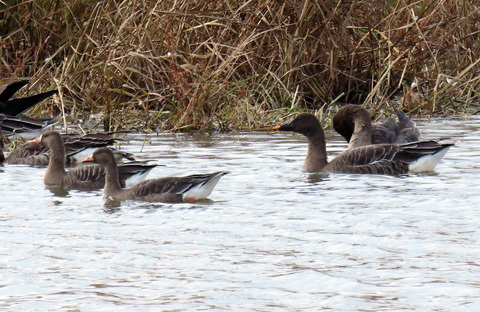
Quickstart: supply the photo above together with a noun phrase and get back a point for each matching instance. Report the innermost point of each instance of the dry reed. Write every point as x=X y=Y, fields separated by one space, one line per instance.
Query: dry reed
x=224 y=65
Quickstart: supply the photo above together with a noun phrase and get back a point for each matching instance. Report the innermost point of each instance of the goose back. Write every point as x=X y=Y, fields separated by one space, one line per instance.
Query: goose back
x=373 y=159
x=353 y=122
x=29 y=154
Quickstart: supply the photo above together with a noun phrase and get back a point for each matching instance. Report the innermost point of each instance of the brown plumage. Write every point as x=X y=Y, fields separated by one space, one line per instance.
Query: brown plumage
x=354 y=124
x=85 y=177
x=382 y=159
x=170 y=189
x=29 y=153
x=33 y=153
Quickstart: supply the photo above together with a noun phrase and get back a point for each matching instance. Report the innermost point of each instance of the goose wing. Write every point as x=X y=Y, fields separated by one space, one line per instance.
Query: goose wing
x=91 y=176
x=369 y=159
x=384 y=132
x=173 y=185
x=21 y=124
x=392 y=131
x=407 y=129
x=29 y=153
x=87 y=140
x=367 y=154
x=411 y=152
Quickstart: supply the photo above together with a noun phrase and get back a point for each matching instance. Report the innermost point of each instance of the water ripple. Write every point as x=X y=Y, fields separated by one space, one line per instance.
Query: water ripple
x=269 y=238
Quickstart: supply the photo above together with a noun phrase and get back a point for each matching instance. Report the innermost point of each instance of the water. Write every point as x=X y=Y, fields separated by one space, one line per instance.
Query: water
x=271 y=238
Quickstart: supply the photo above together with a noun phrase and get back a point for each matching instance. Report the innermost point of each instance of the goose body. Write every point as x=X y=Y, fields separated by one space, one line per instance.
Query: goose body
x=354 y=124
x=170 y=189
x=29 y=153
x=84 y=177
x=380 y=158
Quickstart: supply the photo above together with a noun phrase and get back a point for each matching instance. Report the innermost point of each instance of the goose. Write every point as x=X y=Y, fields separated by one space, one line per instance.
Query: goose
x=15 y=107
x=77 y=148
x=29 y=153
x=380 y=158
x=170 y=189
x=84 y=177
x=354 y=124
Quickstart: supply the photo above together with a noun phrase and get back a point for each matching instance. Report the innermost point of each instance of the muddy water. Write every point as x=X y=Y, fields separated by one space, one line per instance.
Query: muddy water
x=271 y=238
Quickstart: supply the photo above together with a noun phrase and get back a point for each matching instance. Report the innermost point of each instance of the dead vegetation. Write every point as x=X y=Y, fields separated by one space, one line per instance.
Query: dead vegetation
x=241 y=64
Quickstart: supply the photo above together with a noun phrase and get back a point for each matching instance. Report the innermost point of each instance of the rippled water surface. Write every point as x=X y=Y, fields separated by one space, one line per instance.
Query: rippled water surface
x=271 y=238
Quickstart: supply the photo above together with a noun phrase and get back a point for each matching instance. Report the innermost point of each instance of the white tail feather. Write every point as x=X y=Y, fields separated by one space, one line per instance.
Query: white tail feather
x=201 y=191
x=427 y=163
x=136 y=178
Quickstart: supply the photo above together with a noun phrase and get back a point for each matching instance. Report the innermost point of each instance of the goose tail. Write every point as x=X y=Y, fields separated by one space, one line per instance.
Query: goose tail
x=203 y=186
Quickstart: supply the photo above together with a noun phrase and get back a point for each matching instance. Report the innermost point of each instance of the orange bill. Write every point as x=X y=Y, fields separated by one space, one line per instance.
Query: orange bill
x=36 y=140
x=88 y=159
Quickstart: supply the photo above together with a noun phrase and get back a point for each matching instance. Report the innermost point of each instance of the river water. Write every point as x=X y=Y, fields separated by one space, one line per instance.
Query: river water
x=270 y=238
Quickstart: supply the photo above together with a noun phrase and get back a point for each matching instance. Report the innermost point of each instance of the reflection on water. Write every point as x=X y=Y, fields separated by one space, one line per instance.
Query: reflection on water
x=112 y=205
x=58 y=191
x=269 y=238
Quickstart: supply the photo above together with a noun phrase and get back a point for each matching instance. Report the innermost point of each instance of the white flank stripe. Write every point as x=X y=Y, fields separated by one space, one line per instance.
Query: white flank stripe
x=201 y=191
x=427 y=163
x=136 y=178
x=80 y=156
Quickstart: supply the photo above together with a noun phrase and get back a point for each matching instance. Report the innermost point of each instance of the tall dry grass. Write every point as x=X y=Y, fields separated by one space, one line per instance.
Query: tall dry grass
x=241 y=64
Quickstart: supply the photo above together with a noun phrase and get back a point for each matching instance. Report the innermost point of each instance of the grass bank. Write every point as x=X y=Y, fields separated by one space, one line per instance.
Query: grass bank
x=241 y=64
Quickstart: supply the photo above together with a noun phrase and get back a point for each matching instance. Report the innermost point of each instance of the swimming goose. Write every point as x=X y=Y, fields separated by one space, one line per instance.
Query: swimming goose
x=85 y=177
x=17 y=106
x=77 y=148
x=171 y=189
x=381 y=158
x=29 y=153
x=354 y=124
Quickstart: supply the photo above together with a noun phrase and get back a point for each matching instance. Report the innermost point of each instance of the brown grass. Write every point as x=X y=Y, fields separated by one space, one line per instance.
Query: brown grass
x=241 y=64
